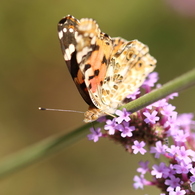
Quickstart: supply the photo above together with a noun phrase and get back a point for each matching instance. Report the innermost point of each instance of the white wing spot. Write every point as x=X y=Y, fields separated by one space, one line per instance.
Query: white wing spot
x=82 y=53
x=67 y=54
x=71 y=48
x=60 y=34
x=71 y=30
x=65 y=30
x=79 y=57
x=76 y=35
x=93 y=40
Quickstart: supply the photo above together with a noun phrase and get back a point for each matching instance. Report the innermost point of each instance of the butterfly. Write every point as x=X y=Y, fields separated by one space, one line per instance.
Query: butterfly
x=104 y=69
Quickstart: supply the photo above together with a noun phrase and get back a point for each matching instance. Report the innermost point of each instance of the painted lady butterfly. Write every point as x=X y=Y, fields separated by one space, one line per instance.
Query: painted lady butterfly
x=104 y=69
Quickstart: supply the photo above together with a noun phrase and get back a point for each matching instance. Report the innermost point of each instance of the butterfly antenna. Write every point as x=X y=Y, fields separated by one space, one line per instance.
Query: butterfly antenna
x=61 y=110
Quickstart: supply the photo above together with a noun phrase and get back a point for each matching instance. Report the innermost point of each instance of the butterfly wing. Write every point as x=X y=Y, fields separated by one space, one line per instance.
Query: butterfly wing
x=128 y=68
x=67 y=32
x=94 y=50
x=117 y=42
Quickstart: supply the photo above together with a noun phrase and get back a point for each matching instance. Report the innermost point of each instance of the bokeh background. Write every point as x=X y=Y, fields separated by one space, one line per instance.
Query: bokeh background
x=33 y=73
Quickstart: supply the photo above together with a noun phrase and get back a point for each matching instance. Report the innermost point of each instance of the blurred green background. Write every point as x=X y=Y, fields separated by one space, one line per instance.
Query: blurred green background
x=33 y=73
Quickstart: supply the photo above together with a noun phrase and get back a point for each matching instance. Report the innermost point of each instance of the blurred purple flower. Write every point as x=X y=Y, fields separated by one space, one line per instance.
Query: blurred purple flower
x=160 y=103
x=138 y=147
x=160 y=171
x=151 y=117
x=185 y=120
x=134 y=95
x=95 y=134
x=172 y=96
x=171 y=123
x=173 y=150
x=139 y=182
x=123 y=115
x=167 y=110
x=185 y=7
x=177 y=191
x=125 y=129
x=111 y=126
x=172 y=181
x=183 y=155
x=151 y=80
x=180 y=136
x=182 y=168
x=143 y=169
x=158 y=149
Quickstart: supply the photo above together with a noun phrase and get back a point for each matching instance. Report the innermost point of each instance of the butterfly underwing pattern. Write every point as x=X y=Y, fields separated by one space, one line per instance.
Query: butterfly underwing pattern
x=104 y=69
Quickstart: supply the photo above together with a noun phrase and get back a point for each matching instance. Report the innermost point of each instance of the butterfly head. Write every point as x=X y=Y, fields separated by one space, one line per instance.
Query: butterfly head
x=92 y=114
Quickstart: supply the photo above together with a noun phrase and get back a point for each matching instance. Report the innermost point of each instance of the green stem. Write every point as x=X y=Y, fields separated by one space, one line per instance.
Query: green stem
x=39 y=150
x=55 y=143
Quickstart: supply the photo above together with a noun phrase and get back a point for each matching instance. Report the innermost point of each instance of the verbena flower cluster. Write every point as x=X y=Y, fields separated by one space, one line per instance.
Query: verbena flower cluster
x=169 y=136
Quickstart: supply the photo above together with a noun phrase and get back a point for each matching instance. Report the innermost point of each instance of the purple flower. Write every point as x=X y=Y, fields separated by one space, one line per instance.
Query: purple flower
x=139 y=182
x=182 y=168
x=134 y=95
x=177 y=191
x=172 y=171
x=111 y=126
x=173 y=150
x=185 y=119
x=143 y=169
x=96 y=133
x=160 y=103
x=123 y=115
x=158 y=149
x=192 y=154
x=180 y=136
x=167 y=110
x=151 y=118
x=125 y=129
x=171 y=96
x=151 y=80
x=192 y=179
x=138 y=147
x=171 y=123
x=183 y=7
x=173 y=181
x=183 y=155
x=101 y=119
x=160 y=171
